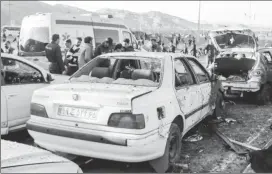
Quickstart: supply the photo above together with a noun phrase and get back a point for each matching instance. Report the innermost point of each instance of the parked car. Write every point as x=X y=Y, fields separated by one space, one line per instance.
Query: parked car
x=243 y=68
x=129 y=107
x=21 y=158
x=19 y=78
x=267 y=53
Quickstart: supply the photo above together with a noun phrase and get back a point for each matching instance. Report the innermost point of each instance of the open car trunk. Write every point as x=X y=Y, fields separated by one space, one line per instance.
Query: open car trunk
x=230 y=66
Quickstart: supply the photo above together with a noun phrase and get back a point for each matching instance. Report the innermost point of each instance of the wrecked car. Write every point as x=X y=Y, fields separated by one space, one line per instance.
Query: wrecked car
x=242 y=68
x=22 y=158
x=128 y=107
x=19 y=78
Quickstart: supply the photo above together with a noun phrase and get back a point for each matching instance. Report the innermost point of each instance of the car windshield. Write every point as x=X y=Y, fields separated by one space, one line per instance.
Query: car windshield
x=136 y=71
x=232 y=40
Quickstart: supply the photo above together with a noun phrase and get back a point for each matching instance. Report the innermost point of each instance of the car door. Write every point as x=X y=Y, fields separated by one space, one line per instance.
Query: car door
x=188 y=92
x=268 y=56
x=4 y=116
x=204 y=84
x=21 y=80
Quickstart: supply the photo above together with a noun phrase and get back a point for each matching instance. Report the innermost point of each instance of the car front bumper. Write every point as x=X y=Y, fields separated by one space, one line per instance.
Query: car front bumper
x=97 y=144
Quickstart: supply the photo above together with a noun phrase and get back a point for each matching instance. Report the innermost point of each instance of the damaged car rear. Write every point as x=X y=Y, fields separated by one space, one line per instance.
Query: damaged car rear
x=242 y=68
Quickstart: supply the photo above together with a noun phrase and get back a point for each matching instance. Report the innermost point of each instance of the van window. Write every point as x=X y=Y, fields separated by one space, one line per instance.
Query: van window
x=101 y=34
x=127 y=35
x=34 y=39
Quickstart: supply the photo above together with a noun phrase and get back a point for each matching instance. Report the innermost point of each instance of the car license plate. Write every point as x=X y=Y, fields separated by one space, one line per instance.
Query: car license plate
x=82 y=113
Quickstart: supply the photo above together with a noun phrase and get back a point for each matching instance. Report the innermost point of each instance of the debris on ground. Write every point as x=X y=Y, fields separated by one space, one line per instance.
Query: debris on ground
x=183 y=166
x=229 y=143
x=230 y=120
x=231 y=102
x=194 y=138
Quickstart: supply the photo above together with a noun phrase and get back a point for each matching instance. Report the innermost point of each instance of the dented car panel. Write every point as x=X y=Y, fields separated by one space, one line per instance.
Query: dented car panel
x=110 y=132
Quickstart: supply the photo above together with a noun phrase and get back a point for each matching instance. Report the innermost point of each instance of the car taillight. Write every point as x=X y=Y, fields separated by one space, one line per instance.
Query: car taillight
x=38 y=110
x=127 y=121
x=4 y=124
x=256 y=73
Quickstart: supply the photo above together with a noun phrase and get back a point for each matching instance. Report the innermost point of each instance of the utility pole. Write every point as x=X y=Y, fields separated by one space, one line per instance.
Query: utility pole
x=9 y=13
x=198 y=33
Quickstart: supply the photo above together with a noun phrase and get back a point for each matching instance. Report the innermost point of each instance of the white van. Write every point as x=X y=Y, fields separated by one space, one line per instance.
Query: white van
x=37 y=30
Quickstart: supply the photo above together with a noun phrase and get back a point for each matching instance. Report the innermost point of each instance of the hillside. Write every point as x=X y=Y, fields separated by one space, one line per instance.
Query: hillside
x=151 y=21
x=19 y=9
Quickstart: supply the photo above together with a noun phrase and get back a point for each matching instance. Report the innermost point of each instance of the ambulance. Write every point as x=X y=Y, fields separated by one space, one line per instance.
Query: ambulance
x=37 y=30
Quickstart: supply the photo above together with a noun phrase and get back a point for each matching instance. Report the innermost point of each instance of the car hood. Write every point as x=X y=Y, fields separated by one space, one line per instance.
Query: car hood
x=16 y=154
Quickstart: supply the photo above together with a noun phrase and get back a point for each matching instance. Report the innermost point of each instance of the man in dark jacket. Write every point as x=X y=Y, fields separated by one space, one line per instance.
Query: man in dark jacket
x=154 y=46
x=53 y=54
x=210 y=50
x=127 y=47
x=104 y=48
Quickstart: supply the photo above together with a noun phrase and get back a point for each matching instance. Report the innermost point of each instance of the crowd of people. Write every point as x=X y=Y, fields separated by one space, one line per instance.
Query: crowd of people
x=75 y=58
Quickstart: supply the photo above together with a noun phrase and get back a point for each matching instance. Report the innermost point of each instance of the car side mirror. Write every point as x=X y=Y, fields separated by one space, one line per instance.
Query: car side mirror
x=49 y=78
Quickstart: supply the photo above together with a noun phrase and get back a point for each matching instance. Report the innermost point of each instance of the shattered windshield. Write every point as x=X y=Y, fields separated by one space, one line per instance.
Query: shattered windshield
x=232 y=40
x=137 y=71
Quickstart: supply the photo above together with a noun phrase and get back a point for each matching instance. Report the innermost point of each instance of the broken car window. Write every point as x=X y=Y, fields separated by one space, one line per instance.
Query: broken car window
x=135 y=71
x=200 y=73
x=183 y=76
x=16 y=72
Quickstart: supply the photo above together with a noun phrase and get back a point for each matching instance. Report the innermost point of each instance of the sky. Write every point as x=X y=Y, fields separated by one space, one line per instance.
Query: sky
x=211 y=11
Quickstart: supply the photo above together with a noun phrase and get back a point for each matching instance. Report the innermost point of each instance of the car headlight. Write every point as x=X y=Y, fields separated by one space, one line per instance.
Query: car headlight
x=38 y=110
x=127 y=121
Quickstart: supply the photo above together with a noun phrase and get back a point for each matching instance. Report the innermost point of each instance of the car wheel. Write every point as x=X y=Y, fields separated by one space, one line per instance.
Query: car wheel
x=263 y=96
x=174 y=143
x=171 y=153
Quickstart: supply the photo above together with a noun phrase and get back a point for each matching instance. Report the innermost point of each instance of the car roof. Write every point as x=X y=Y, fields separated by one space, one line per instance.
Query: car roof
x=22 y=59
x=154 y=55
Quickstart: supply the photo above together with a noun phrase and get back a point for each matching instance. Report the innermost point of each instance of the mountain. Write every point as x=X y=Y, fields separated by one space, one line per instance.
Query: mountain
x=152 y=21
x=19 y=9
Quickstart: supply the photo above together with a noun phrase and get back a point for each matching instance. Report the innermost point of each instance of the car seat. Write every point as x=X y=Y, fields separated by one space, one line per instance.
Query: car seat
x=142 y=74
x=100 y=72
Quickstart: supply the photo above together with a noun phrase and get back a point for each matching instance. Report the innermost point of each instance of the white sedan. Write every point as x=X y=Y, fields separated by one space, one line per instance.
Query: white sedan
x=21 y=158
x=129 y=107
x=19 y=78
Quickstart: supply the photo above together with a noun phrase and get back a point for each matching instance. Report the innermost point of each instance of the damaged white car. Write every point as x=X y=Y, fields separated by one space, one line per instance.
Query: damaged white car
x=129 y=107
x=243 y=69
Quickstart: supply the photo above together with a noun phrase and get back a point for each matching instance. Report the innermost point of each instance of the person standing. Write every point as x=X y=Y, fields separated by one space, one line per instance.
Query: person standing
x=87 y=53
x=127 y=47
x=68 y=46
x=72 y=57
x=8 y=48
x=210 y=51
x=53 y=54
x=105 y=47
x=154 y=46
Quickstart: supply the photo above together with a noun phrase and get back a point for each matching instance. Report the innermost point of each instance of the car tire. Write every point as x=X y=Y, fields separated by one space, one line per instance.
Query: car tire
x=174 y=143
x=263 y=96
